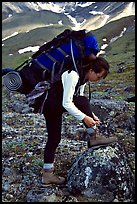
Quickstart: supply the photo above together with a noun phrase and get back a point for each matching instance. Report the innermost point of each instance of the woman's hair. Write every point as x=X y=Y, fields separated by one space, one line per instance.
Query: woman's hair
x=97 y=64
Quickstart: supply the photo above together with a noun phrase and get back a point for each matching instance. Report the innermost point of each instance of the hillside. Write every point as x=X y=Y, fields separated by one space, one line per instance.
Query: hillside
x=24 y=133
x=79 y=13
x=120 y=50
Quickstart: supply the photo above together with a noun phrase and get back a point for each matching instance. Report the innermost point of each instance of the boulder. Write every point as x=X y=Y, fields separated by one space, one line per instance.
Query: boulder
x=102 y=173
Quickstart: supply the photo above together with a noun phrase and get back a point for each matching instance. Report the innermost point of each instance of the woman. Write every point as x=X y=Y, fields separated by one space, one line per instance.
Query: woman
x=63 y=96
x=80 y=67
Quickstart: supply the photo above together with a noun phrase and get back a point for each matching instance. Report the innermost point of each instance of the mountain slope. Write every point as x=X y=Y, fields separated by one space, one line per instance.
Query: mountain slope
x=34 y=23
x=41 y=35
x=89 y=15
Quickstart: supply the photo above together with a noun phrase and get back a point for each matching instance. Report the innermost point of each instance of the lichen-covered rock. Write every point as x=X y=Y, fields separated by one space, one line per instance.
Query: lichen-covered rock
x=103 y=174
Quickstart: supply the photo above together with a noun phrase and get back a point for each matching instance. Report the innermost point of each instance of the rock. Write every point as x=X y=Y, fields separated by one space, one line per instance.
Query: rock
x=131 y=99
x=40 y=195
x=49 y=194
x=103 y=107
x=7 y=172
x=6 y=186
x=102 y=173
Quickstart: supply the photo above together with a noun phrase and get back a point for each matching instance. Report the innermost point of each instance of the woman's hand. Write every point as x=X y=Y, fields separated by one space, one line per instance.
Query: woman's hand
x=96 y=118
x=89 y=121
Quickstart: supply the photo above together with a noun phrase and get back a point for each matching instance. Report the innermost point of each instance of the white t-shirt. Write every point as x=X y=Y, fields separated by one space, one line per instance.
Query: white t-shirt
x=69 y=81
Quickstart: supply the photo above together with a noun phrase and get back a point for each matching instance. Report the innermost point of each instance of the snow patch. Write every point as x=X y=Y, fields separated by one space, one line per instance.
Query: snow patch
x=29 y=49
x=15 y=33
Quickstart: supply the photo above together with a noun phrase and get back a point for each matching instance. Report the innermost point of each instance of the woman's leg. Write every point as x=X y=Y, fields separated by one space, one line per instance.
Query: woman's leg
x=53 y=116
x=83 y=104
x=54 y=123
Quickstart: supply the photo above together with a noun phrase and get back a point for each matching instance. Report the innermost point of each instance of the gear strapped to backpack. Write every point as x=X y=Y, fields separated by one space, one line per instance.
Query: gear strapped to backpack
x=35 y=76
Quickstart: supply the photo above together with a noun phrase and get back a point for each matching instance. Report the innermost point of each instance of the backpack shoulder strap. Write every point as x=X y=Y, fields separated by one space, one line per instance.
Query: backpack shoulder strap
x=59 y=39
x=77 y=37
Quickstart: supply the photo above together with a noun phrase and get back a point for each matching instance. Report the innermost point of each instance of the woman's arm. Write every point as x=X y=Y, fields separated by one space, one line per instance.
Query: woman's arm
x=69 y=81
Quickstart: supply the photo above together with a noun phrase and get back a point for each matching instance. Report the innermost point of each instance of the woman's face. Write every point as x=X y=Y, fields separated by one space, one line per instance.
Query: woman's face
x=93 y=76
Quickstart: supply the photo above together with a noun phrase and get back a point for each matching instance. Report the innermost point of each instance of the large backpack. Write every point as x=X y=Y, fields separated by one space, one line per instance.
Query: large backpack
x=33 y=77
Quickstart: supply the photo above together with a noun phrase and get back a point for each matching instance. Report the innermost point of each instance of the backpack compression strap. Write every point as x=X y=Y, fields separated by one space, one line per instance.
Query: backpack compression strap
x=77 y=69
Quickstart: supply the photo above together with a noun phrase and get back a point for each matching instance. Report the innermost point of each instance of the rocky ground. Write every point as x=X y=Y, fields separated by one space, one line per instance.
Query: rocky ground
x=24 y=136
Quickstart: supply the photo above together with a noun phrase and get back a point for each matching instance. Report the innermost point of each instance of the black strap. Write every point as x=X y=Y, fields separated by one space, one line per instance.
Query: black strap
x=40 y=64
x=25 y=62
x=89 y=91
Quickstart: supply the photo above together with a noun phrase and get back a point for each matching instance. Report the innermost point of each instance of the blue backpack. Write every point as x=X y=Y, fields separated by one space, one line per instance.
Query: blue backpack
x=35 y=76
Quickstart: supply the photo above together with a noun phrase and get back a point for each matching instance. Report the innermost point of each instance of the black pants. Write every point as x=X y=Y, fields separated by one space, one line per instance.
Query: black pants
x=53 y=115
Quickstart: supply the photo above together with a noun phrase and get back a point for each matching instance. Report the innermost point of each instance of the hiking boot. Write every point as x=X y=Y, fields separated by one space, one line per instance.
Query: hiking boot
x=96 y=140
x=49 y=177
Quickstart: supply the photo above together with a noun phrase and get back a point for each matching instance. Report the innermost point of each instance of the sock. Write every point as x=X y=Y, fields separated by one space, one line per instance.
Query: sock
x=92 y=129
x=48 y=166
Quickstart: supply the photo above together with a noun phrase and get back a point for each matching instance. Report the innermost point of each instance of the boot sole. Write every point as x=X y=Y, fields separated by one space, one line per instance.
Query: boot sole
x=99 y=145
x=51 y=184
x=48 y=184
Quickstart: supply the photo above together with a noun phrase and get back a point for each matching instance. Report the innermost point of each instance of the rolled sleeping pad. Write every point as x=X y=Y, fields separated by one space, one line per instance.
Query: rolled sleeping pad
x=12 y=81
